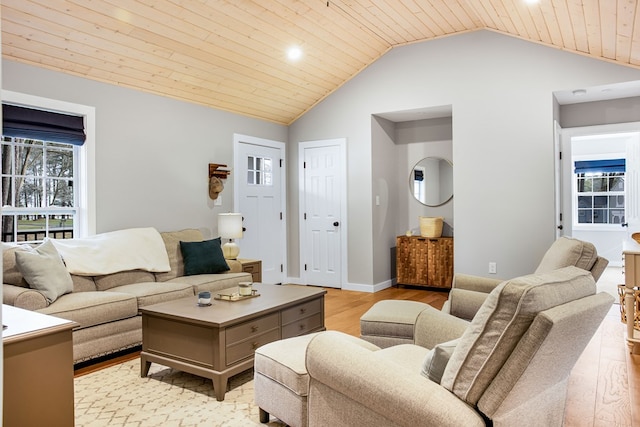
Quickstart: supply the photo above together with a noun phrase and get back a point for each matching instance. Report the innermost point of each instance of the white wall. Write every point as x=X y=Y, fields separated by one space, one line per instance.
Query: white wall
x=500 y=89
x=152 y=152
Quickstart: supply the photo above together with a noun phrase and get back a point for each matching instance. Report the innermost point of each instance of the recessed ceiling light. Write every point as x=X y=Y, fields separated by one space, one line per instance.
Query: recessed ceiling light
x=579 y=92
x=294 y=53
x=532 y=1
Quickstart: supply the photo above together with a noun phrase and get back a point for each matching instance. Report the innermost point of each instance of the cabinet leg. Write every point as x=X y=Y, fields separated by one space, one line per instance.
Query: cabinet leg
x=144 y=367
x=219 y=387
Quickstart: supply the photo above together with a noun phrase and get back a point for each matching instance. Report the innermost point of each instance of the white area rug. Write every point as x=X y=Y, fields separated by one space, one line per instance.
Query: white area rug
x=118 y=396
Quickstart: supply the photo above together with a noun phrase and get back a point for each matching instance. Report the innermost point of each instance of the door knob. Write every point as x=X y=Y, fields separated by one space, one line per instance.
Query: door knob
x=335 y=224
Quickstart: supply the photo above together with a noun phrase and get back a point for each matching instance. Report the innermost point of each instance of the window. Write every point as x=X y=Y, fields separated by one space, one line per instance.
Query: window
x=38 y=198
x=259 y=171
x=600 y=191
x=48 y=173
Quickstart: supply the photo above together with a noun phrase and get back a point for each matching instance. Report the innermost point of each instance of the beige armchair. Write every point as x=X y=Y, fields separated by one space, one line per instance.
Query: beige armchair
x=509 y=366
x=468 y=292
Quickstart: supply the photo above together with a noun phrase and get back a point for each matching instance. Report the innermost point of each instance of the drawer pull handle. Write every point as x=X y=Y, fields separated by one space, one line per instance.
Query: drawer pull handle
x=254 y=329
x=303 y=310
x=255 y=345
x=301 y=326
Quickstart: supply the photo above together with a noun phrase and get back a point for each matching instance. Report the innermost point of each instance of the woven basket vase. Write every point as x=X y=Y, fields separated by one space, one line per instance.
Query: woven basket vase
x=430 y=226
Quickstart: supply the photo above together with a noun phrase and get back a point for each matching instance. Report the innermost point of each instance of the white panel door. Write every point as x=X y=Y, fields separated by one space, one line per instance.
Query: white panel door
x=258 y=179
x=322 y=214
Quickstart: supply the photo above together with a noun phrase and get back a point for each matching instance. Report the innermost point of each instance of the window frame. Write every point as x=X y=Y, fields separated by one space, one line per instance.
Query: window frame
x=575 y=194
x=84 y=156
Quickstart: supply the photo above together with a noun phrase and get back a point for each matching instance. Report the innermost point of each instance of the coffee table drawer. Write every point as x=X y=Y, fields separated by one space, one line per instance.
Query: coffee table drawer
x=245 y=349
x=251 y=328
x=303 y=326
x=301 y=310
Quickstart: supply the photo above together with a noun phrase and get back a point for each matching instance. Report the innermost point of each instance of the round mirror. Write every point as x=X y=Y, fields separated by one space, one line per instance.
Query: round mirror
x=431 y=181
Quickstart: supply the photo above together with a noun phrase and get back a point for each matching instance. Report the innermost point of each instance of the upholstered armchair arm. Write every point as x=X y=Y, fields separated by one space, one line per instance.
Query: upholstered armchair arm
x=235 y=266
x=475 y=283
x=434 y=327
x=465 y=304
x=20 y=297
x=350 y=385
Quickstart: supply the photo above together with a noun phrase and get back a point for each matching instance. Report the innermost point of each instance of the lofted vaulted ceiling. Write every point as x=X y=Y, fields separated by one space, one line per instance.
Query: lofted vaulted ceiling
x=231 y=54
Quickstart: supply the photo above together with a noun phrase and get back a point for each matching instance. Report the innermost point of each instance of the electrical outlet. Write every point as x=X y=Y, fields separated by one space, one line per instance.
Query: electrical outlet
x=493 y=268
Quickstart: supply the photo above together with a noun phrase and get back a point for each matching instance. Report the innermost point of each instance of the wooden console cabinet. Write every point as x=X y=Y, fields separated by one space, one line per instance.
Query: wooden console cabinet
x=423 y=261
x=38 y=369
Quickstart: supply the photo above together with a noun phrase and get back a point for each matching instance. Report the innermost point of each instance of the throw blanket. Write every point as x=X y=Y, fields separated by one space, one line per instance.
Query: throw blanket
x=106 y=253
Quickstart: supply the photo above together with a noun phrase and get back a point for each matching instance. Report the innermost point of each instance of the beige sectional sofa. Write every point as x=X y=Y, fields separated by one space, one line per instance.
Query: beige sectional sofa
x=106 y=307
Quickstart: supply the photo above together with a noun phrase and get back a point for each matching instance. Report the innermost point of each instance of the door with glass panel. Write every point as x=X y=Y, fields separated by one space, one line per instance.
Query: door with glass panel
x=259 y=197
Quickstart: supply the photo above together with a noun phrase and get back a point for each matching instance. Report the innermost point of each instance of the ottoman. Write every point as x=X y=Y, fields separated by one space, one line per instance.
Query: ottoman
x=390 y=322
x=281 y=381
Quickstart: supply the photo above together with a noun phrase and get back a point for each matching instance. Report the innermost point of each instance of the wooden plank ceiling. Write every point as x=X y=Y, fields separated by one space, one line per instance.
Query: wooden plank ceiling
x=231 y=54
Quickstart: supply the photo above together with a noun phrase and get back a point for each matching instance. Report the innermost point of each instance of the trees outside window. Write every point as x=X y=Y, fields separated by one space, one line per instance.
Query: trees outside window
x=38 y=197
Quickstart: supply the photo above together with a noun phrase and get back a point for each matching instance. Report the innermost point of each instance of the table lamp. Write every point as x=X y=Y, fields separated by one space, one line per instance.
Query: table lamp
x=230 y=227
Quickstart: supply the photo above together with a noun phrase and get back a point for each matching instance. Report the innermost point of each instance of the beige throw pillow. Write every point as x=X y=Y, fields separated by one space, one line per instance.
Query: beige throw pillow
x=43 y=269
x=436 y=360
x=498 y=326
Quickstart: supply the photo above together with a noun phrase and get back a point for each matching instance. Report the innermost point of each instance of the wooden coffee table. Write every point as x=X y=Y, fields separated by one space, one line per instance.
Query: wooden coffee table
x=219 y=341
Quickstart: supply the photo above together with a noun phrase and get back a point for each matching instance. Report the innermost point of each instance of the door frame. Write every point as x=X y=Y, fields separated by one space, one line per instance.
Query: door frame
x=246 y=139
x=341 y=143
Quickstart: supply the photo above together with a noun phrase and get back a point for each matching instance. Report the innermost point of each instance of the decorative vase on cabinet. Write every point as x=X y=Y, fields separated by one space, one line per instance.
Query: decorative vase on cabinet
x=423 y=261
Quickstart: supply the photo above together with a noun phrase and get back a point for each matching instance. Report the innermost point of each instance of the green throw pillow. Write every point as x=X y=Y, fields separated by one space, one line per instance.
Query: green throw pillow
x=203 y=257
x=43 y=269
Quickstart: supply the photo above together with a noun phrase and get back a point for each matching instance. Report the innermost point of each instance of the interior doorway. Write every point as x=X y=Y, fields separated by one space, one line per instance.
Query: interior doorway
x=598 y=185
x=259 y=195
x=323 y=228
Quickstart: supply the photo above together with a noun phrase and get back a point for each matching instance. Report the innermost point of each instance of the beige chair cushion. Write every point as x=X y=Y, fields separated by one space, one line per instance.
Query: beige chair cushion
x=500 y=323
x=567 y=251
x=437 y=359
x=391 y=318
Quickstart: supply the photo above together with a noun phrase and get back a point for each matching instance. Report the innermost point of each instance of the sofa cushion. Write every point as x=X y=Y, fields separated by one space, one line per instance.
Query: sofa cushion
x=172 y=244
x=113 y=280
x=204 y=257
x=10 y=273
x=566 y=251
x=155 y=292
x=500 y=323
x=44 y=270
x=93 y=308
x=212 y=282
x=437 y=359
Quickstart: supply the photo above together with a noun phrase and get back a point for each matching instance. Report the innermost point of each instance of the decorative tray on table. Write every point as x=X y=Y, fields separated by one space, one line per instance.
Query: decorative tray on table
x=236 y=296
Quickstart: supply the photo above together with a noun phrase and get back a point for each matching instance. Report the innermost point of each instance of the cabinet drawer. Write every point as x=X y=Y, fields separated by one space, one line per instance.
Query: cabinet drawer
x=301 y=310
x=244 y=349
x=303 y=326
x=251 y=328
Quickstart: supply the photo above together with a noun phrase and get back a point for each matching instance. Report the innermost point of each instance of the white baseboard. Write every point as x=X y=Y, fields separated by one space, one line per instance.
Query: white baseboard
x=358 y=287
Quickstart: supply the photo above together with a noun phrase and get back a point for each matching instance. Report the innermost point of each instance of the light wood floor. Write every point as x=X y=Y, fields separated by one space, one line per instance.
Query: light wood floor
x=604 y=387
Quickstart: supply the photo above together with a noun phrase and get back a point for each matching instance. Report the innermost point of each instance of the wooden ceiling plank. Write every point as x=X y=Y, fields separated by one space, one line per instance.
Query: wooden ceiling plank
x=625 y=25
x=422 y=13
x=592 y=21
x=336 y=62
x=551 y=22
x=579 y=24
x=523 y=20
x=402 y=15
x=564 y=24
x=634 y=57
x=465 y=15
x=133 y=67
x=510 y=17
x=338 y=25
x=361 y=13
x=608 y=28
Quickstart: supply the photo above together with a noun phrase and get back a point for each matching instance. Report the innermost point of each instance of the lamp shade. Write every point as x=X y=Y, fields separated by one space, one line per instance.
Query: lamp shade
x=230 y=225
